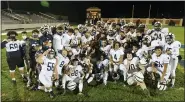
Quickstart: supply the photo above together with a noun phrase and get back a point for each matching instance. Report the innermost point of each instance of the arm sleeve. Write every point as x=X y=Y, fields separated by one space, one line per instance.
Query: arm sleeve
x=166 y=59
x=3 y=44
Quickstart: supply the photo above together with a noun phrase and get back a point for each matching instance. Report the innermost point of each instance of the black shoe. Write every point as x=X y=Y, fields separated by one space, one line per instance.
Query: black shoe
x=52 y=95
x=34 y=88
x=14 y=82
x=63 y=92
x=24 y=78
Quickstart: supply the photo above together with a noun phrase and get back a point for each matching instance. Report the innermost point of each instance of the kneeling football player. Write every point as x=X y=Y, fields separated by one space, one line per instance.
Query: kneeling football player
x=160 y=66
x=134 y=74
x=73 y=74
x=49 y=68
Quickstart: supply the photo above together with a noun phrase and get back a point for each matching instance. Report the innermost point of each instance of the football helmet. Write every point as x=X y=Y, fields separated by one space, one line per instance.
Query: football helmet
x=51 y=54
x=169 y=38
x=157 y=26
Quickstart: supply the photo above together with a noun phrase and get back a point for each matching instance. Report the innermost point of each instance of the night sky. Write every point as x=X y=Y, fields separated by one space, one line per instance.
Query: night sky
x=76 y=10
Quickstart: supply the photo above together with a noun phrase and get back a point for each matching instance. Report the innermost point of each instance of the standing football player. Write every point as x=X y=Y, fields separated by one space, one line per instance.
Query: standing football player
x=13 y=54
x=172 y=49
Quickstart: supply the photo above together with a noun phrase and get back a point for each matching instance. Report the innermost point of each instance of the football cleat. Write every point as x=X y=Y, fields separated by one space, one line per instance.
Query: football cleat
x=24 y=78
x=52 y=95
x=80 y=94
x=14 y=82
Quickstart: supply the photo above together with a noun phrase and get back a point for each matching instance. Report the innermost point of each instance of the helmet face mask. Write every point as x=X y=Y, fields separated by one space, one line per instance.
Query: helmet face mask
x=169 y=38
x=157 y=26
x=51 y=54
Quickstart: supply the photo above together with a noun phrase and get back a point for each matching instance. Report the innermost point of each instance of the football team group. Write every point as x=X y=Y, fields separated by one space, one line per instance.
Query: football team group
x=69 y=58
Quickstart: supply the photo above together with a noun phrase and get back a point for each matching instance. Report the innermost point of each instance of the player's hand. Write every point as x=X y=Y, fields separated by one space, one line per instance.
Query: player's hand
x=56 y=76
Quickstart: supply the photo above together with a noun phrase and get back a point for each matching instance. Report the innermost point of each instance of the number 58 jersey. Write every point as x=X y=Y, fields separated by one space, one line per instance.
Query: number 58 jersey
x=48 y=66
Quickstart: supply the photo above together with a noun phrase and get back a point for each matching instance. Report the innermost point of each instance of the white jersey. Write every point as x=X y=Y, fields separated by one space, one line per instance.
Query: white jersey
x=87 y=40
x=116 y=54
x=131 y=66
x=75 y=71
x=144 y=49
x=61 y=62
x=159 y=61
x=118 y=38
x=155 y=43
x=75 y=52
x=131 y=34
x=106 y=49
x=78 y=35
x=174 y=48
x=57 y=42
x=12 y=46
x=159 y=35
x=48 y=66
x=66 y=39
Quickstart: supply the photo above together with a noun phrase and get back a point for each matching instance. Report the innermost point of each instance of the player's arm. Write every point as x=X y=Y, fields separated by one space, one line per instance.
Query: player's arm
x=121 y=58
x=3 y=43
x=165 y=61
x=175 y=50
x=27 y=50
x=55 y=69
x=82 y=74
x=40 y=57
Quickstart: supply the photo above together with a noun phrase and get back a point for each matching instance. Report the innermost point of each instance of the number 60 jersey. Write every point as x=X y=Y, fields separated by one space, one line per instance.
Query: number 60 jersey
x=48 y=66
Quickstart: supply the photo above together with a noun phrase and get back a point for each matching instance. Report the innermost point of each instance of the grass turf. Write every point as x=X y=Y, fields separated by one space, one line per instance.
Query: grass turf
x=113 y=91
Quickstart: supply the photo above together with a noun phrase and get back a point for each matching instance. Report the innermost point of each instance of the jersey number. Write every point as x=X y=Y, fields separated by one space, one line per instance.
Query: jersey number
x=62 y=63
x=50 y=66
x=158 y=64
x=158 y=36
x=75 y=73
x=115 y=57
x=13 y=46
x=131 y=67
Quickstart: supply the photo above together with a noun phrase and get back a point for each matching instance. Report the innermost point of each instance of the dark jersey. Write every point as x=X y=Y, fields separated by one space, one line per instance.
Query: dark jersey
x=45 y=38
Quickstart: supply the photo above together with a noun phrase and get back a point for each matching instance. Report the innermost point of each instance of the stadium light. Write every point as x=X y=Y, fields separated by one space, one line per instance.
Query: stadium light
x=8 y=5
x=133 y=11
x=149 y=11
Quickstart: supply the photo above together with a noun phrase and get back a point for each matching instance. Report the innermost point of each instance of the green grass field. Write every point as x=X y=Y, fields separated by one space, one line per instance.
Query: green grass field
x=113 y=92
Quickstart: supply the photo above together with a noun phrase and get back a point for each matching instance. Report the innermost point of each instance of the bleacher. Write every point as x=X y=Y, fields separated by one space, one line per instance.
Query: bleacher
x=24 y=17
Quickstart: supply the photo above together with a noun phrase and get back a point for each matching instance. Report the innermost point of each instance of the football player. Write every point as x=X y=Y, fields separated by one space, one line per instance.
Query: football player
x=102 y=68
x=67 y=38
x=14 y=56
x=116 y=60
x=30 y=51
x=73 y=73
x=134 y=75
x=160 y=65
x=63 y=61
x=49 y=70
x=57 y=39
x=172 y=49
